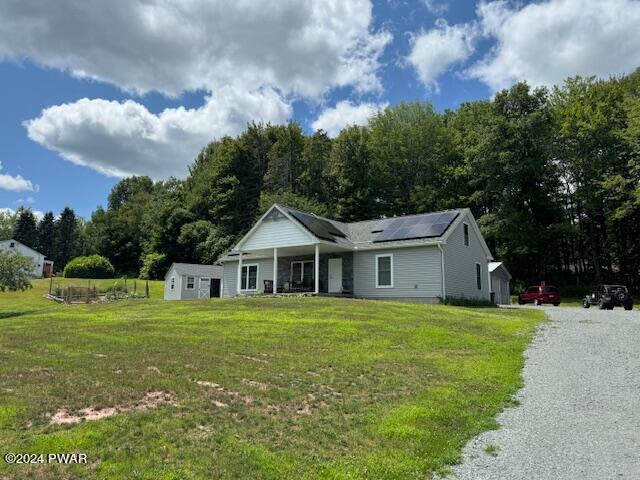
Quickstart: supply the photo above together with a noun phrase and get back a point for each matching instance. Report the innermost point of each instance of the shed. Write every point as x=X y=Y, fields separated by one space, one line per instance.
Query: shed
x=42 y=268
x=189 y=280
x=500 y=287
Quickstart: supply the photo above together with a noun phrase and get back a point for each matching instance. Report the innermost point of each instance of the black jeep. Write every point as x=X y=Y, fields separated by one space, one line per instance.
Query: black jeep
x=609 y=296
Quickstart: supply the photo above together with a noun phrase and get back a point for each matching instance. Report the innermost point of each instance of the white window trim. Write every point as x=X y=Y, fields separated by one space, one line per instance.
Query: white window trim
x=301 y=270
x=478 y=273
x=466 y=239
x=172 y=284
x=390 y=255
x=247 y=283
x=186 y=284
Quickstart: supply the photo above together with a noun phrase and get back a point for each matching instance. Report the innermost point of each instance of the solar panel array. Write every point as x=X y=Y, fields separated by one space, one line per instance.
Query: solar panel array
x=320 y=227
x=421 y=226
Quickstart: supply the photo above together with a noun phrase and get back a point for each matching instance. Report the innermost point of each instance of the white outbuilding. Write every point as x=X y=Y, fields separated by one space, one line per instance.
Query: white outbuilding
x=41 y=266
x=186 y=281
x=500 y=283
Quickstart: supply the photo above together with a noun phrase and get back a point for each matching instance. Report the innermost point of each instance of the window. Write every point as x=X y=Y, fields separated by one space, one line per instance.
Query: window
x=532 y=290
x=191 y=283
x=302 y=272
x=466 y=234
x=173 y=283
x=549 y=290
x=249 y=279
x=12 y=244
x=478 y=276
x=384 y=271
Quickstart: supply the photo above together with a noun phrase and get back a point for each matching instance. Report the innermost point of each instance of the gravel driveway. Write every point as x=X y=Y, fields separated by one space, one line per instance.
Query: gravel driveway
x=579 y=413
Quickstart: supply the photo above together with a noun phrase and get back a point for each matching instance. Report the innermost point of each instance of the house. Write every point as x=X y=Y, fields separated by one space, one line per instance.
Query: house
x=42 y=268
x=188 y=280
x=500 y=278
x=424 y=258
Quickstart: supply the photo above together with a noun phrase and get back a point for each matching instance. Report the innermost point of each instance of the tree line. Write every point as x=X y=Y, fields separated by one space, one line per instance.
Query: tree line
x=552 y=175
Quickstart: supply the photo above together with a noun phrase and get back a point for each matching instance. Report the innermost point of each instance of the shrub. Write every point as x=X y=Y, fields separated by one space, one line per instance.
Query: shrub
x=93 y=266
x=469 y=302
x=154 y=266
x=15 y=270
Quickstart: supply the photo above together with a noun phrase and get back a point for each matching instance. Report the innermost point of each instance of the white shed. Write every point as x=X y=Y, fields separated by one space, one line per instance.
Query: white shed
x=189 y=280
x=41 y=266
x=500 y=287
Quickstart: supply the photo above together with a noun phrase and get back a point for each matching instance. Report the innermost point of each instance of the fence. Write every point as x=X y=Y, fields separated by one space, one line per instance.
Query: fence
x=91 y=293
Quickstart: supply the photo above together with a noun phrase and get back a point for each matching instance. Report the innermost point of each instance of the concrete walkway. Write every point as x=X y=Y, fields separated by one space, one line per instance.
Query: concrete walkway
x=579 y=416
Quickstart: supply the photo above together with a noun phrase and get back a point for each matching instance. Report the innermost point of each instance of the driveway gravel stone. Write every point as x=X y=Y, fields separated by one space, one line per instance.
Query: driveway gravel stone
x=579 y=412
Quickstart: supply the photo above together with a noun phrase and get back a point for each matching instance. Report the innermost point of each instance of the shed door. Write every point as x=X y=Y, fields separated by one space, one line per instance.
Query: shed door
x=204 y=288
x=215 y=288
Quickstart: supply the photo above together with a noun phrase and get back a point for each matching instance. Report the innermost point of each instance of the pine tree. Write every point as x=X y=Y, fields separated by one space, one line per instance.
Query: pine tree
x=46 y=235
x=25 y=230
x=66 y=238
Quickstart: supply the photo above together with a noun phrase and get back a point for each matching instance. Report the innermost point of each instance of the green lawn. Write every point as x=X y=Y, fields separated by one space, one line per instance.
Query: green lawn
x=294 y=388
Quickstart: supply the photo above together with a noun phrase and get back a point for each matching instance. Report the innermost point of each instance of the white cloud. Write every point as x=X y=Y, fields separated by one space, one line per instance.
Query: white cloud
x=546 y=42
x=332 y=120
x=253 y=58
x=124 y=138
x=435 y=51
x=16 y=183
x=299 y=47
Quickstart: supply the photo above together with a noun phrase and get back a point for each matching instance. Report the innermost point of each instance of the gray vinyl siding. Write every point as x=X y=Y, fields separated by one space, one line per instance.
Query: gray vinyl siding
x=460 y=264
x=416 y=274
x=230 y=275
x=175 y=294
x=500 y=286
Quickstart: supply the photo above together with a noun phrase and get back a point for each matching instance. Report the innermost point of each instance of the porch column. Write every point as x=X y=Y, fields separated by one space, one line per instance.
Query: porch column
x=275 y=270
x=317 y=269
x=239 y=285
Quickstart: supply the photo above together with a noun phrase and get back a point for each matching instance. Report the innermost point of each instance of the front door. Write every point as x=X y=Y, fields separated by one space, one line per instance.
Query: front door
x=204 y=288
x=335 y=275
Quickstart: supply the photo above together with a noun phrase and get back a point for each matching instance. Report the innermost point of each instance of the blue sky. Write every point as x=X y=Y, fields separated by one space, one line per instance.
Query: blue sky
x=94 y=91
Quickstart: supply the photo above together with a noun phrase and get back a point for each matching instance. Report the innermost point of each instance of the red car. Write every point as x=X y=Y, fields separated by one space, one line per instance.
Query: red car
x=539 y=294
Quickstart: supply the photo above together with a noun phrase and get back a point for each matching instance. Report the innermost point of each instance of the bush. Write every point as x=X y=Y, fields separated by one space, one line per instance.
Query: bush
x=469 y=302
x=154 y=266
x=15 y=270
x=93 y=266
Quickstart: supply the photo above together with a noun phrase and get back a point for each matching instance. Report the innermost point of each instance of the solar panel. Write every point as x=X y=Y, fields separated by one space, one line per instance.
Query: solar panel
x=429 y=225
x=320 y=227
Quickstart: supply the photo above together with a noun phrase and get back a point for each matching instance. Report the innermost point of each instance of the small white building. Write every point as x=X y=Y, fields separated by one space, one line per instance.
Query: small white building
x=500 y=287
x=42 y=267
x=189 y=280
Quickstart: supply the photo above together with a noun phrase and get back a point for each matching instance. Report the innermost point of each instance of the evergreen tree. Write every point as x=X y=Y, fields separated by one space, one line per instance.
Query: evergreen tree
x=25 y=230
x=46 y=235
x=66 y=238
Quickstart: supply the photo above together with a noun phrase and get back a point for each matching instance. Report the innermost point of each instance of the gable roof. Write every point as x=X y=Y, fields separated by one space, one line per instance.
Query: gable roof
x=493 y=266
x=25 y=246
x=365 y=235
x=196 y=270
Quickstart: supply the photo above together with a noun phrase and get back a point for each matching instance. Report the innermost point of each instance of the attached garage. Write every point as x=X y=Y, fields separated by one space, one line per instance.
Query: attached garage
x=186 y=281
x=500 y=283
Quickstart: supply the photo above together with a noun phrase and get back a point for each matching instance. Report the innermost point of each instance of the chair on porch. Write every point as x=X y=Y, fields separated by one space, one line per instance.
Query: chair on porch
x=268 y=286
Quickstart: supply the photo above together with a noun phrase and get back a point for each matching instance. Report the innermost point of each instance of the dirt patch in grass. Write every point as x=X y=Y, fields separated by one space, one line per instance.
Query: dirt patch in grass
x=220 y=389
x=149 y=401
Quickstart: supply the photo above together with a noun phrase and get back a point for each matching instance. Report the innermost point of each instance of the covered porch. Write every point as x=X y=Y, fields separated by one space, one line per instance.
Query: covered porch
x=312 y=269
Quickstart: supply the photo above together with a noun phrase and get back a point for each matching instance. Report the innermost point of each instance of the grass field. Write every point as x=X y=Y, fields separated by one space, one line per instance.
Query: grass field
x=294 y=388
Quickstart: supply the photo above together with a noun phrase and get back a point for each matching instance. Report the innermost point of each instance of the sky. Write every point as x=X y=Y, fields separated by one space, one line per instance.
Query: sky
x=93 y=91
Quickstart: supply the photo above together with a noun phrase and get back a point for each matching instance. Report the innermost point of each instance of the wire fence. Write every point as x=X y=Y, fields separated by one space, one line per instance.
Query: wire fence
x=92 y=293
